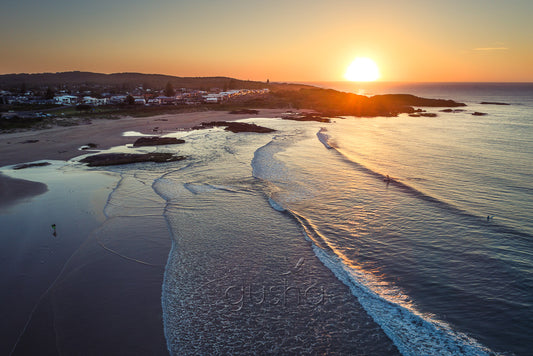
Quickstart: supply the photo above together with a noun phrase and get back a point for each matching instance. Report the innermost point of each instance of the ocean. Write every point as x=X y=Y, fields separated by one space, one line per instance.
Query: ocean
x=363 y=236
x=440 y=257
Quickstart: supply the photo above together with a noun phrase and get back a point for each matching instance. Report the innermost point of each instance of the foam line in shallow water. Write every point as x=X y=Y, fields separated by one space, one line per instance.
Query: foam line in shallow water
x=411 y=332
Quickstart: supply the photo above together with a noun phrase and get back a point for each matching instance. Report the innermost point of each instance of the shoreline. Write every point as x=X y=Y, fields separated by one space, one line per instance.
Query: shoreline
x=63 y=143
x=85 y=268
x=14 y=191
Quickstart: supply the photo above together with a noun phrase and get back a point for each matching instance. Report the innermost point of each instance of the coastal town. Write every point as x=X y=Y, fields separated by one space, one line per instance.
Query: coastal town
x=97 y=96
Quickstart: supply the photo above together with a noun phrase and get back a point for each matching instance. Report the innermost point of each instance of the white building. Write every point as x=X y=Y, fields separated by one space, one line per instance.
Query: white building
x=66 y=99
x=94 y=101
x=117 y=99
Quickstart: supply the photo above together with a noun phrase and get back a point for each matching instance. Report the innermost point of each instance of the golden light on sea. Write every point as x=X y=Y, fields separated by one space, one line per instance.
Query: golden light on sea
x=362 y=69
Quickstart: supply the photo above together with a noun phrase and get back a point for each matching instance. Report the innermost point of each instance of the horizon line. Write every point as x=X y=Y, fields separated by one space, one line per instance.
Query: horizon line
x=280 y=81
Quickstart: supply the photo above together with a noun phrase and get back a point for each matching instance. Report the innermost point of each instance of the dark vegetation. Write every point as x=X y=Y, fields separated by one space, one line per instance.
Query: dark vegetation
x=127 y=81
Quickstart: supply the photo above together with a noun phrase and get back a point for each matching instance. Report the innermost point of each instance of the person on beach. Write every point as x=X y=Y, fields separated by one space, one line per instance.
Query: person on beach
x=54 y=228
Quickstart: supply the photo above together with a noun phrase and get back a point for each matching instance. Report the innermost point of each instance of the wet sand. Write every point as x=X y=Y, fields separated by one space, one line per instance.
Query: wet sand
x=13 y=191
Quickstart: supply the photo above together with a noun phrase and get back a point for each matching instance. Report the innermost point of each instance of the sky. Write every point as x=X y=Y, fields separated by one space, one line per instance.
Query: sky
x=279 y=40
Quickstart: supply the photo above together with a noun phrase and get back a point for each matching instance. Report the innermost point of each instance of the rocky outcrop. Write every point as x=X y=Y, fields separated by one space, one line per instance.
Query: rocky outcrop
x=493 y=103
x=234 y=127
x=112 y=159
x=452 y=110
x=307 y=117
x=477 y=113
x=245 y=111
x=336 y=103
x=157 y=141
x=29 y=165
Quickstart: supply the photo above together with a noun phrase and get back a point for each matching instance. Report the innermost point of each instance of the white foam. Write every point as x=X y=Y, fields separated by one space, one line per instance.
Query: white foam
x=411 y=332
x=275 y=205
x=324 y=137
x=133 y=134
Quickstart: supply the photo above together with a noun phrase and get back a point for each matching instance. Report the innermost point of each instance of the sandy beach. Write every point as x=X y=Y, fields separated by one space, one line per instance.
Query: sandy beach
x=63 y=143
x=62 y=289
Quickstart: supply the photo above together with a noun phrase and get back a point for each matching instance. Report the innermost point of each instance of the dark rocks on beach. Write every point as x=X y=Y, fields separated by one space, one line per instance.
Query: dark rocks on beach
x=111 y=159
x=157 y=141
x=30 y=141
x=477 y=113
x=234 y=127
x=452 y=110
x=245 y=111
x=307 y=117
x=29 y=165
x=428 y=114
x=493 y=103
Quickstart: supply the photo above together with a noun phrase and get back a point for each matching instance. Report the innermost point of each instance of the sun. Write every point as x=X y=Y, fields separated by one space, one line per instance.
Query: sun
x=362 y=69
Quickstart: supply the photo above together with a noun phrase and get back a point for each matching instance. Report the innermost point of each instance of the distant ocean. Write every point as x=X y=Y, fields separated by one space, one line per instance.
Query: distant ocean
x=364 y=236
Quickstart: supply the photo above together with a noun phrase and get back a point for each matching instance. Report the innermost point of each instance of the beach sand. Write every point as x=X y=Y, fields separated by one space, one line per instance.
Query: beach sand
x=74 y=292
x=63 y=143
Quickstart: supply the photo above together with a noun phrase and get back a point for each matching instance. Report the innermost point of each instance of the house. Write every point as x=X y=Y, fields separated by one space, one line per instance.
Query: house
x=166 y=100
x=139 y=101
x=118 y=99
x=94 y=101
x=212 y=98
x=66 y=99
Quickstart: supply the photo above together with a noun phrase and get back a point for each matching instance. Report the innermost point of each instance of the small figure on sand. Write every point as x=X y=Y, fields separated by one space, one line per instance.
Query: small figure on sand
x=54 y=229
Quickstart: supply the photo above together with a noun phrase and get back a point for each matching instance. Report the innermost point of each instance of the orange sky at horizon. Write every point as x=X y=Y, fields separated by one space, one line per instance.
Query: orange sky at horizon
x=292 y=40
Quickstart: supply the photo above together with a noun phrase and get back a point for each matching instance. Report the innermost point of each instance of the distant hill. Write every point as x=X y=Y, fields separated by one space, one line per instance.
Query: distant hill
x=129 y=80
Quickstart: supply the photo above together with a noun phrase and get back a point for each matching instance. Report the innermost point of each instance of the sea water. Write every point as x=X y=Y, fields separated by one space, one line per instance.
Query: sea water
x=361 y=236
x=378 y=236
x=439 y=255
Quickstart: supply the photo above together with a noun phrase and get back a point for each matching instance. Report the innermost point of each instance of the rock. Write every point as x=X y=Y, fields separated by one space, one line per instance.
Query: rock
x=245 y=111
x=428 y=114
x=111 y=159
x=29 y=165
x=493 y=103
x=234 y=127
x=452 y=110
x=30 y=141
x=157 y=141
x=307 y=117
x=477 y=113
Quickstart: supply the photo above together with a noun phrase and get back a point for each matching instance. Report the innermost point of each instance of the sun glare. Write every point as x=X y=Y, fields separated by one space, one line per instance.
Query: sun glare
x=362 y=69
